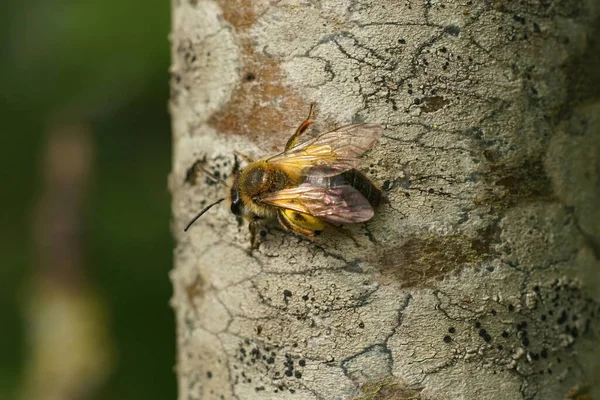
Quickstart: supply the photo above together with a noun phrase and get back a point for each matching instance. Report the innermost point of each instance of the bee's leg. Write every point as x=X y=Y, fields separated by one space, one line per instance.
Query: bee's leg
x=290 y=225
x=292 y=141
x=254 y=226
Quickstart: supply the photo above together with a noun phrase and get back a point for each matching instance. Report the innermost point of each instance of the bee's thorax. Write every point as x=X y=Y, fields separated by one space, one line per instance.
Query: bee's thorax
x=257 y=179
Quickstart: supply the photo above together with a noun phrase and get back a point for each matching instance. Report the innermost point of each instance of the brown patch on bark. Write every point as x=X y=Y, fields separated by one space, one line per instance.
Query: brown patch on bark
x=388 y=389
x=526 y=182
x=241 y=13
x=261 y=83
x=195 y=290
x=433 y=103
x=422 y=259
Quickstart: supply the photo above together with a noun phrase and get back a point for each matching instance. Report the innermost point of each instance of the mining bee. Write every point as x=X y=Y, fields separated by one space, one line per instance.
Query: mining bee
x=308 y=187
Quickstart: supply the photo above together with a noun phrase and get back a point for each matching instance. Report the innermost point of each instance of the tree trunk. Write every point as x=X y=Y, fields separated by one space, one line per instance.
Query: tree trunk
x=475 y=280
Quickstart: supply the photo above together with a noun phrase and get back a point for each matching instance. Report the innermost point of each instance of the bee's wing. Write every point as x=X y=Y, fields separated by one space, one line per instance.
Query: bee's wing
x=338 y=150
x=338 y=204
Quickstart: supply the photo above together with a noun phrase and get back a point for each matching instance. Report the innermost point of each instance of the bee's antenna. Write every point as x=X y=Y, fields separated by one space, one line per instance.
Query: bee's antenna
x=202 y=212
x=236 y=163
x=212 y=176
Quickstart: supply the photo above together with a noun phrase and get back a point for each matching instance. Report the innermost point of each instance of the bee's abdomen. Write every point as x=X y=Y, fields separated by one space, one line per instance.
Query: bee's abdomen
x=360 y=182
x=352 y=177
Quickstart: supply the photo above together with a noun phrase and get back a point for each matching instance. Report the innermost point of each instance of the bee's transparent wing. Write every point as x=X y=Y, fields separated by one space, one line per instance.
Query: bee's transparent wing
x=338 y=204
x=337 y=150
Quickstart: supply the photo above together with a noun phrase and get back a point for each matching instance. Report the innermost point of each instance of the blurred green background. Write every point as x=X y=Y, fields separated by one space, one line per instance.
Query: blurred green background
x=103 y=65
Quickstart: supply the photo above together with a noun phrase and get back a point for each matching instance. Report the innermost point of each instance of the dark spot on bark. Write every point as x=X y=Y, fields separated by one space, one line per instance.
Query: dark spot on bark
x=451 y=329
x=562 y=319
x=511 y=308
x=525 y=341
x=452 y=30
x=250 y=77
x=361 y=325
x=519 y=19
x=298 y=374
x=475 y=132
x=288 y=373
x=574 y=332
x=302 y=363
x=482 y=332
x=287 y=293
x=447 y=339
x=504 y=334
x=477 y=324
x=353 y=266
x=492 y=155
x=208 y=374
x=401 y=41
x=305 y=298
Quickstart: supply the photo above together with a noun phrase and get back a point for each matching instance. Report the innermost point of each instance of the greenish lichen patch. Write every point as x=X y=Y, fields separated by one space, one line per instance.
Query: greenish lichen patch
x=388 y=389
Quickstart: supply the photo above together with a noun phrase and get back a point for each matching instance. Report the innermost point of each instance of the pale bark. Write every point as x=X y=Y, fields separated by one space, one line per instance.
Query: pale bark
x=475 y=281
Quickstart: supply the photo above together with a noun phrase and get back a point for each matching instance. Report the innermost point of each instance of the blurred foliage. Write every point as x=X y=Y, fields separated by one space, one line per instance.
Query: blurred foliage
x=103 y=63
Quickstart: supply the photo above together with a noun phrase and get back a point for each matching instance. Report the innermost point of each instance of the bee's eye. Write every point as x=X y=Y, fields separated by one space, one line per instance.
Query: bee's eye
x=236 y=207
x=236 y=201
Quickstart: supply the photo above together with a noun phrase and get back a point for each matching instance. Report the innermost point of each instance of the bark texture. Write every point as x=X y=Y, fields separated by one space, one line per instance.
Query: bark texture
x=475 y=281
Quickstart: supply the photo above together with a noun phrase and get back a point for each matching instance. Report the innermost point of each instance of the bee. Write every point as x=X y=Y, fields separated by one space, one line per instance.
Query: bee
x=310 y=186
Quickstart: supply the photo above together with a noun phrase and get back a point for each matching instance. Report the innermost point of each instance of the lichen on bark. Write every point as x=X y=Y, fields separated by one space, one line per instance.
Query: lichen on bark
x=474 y=280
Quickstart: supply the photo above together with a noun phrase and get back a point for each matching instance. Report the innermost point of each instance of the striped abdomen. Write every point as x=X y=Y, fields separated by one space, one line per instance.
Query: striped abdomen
x=352 y=177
